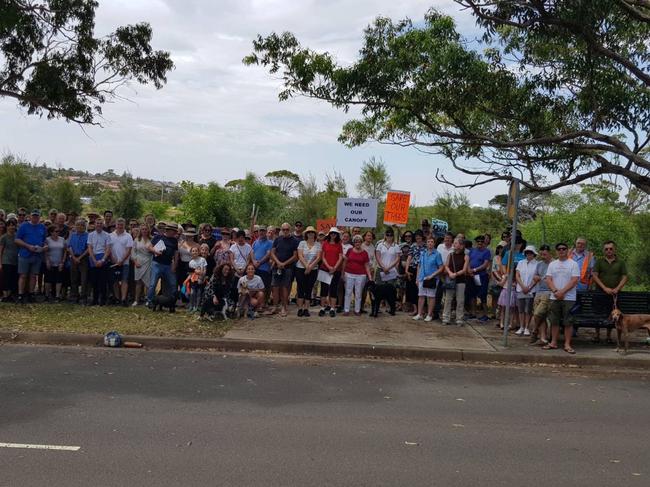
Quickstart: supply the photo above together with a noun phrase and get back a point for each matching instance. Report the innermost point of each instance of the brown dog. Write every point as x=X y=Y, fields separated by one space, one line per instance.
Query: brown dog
x=627 y=323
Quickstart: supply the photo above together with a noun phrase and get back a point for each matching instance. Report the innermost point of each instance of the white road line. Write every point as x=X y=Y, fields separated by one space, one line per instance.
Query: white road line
x=40 y=447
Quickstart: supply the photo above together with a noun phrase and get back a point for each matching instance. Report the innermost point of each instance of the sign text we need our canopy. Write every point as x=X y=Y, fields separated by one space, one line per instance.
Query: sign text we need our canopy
x=356 y=212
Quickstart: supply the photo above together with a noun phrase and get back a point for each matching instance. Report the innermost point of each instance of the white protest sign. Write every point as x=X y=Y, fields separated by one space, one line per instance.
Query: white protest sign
x=356 y=212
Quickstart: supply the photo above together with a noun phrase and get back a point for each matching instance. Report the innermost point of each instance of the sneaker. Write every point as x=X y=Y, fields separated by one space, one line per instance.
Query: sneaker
x=333 y=314
x=446 y=323
x=526 y=332
x=135 y=303
x=339 y=309
x=519 y=332
x=301 y=312
x=125 y=304
x=460 y=323
x=321 y=313
x=251 y=314
x=306 y=313
x=346 y=313
x=416 y=318
x=483 y=319
x=428 y=318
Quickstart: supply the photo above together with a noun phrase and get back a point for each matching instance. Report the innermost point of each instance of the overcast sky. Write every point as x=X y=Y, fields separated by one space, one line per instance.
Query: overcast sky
x=216 y=118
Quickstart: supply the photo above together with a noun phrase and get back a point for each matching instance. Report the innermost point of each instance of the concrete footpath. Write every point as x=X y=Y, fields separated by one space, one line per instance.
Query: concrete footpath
x=396 y=337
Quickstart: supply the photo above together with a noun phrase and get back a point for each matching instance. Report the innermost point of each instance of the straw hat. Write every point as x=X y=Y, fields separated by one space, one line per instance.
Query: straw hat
x=310 y=229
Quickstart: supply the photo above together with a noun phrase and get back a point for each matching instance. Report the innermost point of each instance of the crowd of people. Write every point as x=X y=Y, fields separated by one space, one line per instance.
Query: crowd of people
x=100 y=260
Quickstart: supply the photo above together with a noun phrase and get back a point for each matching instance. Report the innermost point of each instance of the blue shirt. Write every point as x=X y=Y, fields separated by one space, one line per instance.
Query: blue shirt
x=32 y=235
x=430 y=262
x=477 y=258
x=260 y=248
x=78 y=243
x=519 y=256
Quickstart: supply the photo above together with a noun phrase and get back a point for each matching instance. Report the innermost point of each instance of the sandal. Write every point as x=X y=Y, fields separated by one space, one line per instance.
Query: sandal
x=548 y=346
x=569 y=350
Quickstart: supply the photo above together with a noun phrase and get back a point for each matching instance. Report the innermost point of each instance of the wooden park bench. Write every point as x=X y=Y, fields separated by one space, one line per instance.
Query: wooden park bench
x=593 y=308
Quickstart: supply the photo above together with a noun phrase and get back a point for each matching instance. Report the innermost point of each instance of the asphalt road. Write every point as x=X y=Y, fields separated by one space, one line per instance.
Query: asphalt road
x=147 y=418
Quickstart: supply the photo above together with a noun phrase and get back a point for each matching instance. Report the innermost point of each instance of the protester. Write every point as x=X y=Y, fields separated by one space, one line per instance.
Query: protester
x=562 y=279
x=428 y=272
x=220 y=292
x=197 y=272
x=261 y=259
x=121 y=248
x=251 y=292
x=222 y=253
x=99 y=253
x=585 y=260
x=9 y=261
x=331 y=263
x=526 y=286
x=30 y=238
x=186 y=243
x=54 y=263
x=357 y=270
x=494 y=287
x=456 y=268
x=480 y=260
x=165 y=251
x=309 y=256
x=387 y=258
x=412 y=271
x=142 y=259
x=298 y=232
x=610 y=275
x=284 y=255
x=241 y=253
x=541 y=304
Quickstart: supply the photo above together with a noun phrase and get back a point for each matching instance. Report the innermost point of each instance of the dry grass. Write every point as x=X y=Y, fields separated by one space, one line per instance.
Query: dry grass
x=128 y=321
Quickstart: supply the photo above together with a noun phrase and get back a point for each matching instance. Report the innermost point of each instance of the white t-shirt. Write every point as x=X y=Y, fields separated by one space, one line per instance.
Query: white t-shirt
x=527 y=270
x=370 y=250
x=387 y=256
x=255 y=283
x=120 y=243
x=308 y=254
x=444 y=251
x=562 y=271
x=198 y=263
x=346 y=247
x=241 y=253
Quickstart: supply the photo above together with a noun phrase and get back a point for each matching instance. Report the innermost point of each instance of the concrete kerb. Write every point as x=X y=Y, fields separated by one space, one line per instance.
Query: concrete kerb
x=330 y=349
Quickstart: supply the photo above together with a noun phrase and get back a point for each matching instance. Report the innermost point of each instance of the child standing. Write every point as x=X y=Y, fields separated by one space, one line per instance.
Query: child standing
x=197 y=266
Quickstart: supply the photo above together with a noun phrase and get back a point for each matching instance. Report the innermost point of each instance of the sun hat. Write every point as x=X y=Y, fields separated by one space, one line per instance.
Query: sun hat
x=170 y=226
x=310 y=229
x=334 y=230
x=531 y=248
x=189 y=231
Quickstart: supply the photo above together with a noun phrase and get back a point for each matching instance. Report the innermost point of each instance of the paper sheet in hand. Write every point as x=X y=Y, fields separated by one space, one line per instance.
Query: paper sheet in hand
x=160 y=246
x=325 y=277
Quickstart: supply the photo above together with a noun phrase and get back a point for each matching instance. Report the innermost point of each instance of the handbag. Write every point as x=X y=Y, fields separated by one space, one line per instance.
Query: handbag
x=429 y=283
x=451 y=283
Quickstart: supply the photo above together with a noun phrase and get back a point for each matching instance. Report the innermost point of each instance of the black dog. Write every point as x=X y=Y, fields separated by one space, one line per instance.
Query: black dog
x=161 y=301
x=379 y=293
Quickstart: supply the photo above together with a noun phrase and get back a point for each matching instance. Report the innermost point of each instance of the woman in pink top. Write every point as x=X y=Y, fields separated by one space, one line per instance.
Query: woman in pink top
x=357 y=270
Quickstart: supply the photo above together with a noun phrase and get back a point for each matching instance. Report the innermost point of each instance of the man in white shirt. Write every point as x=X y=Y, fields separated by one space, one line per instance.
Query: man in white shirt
x=121 y=246
x=562 y=278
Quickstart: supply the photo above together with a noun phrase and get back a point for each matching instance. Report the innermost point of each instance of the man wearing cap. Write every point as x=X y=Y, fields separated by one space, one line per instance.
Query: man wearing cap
x=562 y=278
x=426 y=228
x=542 y=301
x=299 y=228
x=165 y=259
x=526 y=285
x=284 y=254
x=30 y=238
x=52 y=214
x=99 y=254
x=387 y=255
x=261 y=259
x=480 y=259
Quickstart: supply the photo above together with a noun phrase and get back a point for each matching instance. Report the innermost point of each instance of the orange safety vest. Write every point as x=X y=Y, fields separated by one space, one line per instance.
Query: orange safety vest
x=585 y=276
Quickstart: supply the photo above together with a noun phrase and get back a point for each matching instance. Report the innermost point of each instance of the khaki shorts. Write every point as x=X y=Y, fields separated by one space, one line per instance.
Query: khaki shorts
x=559 y=312
x=541 y=305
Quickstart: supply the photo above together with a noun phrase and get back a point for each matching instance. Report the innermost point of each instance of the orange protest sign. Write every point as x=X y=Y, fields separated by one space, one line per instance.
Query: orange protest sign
x=396 y=211
x=325 y=225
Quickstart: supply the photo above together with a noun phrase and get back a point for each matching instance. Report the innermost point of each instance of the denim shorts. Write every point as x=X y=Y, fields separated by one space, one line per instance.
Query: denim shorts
x=30 y=265
x=282 y=279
